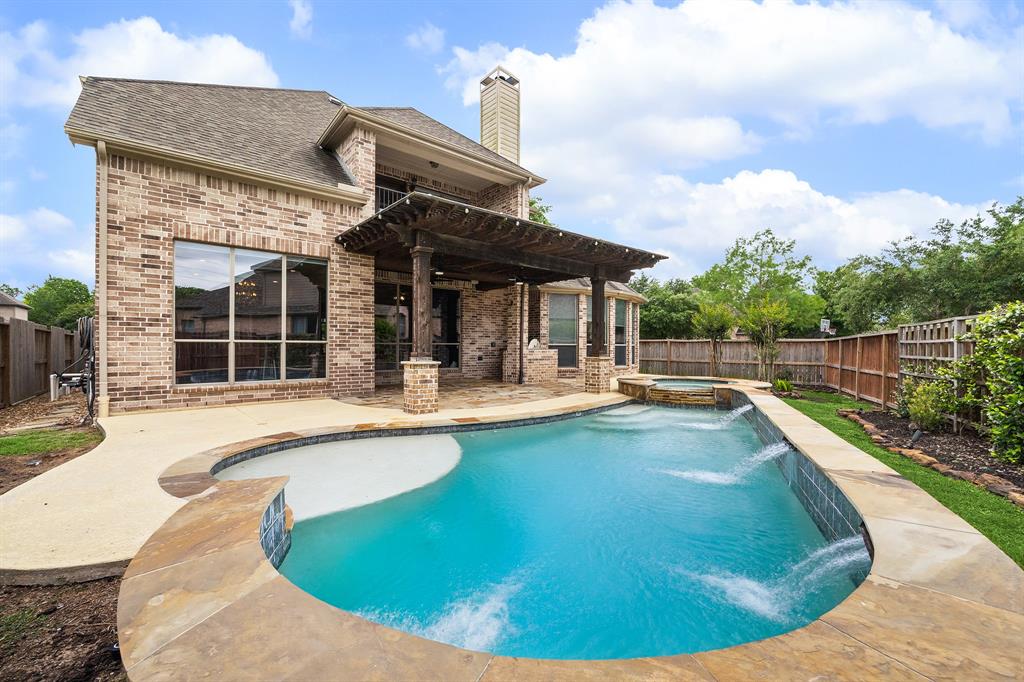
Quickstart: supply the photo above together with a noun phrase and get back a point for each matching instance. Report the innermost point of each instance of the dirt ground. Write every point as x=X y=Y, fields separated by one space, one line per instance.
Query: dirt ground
x=62 y=632
x=16 y=469
x=67 y=413
x=965 y=451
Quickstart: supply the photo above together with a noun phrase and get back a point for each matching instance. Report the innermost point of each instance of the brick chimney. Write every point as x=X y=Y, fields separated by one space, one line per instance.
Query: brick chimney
x=499 y=113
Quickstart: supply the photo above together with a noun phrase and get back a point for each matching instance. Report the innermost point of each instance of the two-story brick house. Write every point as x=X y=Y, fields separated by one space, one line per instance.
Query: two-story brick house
x=265 y=244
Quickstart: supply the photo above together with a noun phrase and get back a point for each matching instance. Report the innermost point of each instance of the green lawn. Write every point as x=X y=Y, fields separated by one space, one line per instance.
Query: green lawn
x=17 y=624
x=995 y=517
x=46 y=441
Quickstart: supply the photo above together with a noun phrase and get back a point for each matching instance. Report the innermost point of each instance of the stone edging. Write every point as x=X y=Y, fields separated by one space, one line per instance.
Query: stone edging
x=996 y=485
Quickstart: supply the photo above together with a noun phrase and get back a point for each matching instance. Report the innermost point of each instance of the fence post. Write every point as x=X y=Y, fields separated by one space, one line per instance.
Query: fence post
x=668 y=358
x=856 y=369
x=885 y=371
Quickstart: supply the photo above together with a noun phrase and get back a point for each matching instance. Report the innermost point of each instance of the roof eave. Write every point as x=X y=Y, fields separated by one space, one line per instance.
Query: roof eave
x=347 y=113
x=557 y=288
x=343 y=193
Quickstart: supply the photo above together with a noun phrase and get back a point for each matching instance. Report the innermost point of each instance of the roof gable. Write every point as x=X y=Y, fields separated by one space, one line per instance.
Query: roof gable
x=262 y=129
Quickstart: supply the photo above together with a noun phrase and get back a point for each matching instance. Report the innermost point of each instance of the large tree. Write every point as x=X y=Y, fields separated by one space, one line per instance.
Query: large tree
x=765 y=268
x=59 y=302
x=956 y=270
x=668 y=313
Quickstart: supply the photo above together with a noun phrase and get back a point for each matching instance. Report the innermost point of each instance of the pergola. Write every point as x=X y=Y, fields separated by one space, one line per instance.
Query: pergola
x=492 y=249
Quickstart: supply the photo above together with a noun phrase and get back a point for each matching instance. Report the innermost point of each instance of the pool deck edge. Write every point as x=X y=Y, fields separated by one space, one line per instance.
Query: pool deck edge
x=940 y=601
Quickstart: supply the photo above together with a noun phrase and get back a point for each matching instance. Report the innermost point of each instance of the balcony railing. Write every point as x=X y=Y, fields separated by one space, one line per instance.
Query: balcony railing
x=387 y=196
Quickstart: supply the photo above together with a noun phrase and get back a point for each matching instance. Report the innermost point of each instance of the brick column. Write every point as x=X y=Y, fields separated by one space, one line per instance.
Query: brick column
x=419 y=390
x=597 y=373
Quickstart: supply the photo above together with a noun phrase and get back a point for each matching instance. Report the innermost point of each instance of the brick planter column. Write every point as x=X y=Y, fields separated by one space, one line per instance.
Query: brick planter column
x=419 y=385
x=597 y=373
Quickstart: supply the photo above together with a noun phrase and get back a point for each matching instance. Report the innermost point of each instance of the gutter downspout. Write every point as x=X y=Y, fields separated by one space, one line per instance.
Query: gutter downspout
x=103 y=398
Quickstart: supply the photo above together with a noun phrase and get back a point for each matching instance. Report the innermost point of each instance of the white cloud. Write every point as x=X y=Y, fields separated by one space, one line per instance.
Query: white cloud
x=427 y=38
x=32 y=73
x=776 y=64
x=43 y=241
x=695 y=223
x=301 y=24
x=650 y=92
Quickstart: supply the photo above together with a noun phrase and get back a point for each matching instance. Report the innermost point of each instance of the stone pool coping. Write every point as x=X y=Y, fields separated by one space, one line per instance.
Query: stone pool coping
x=201 y=599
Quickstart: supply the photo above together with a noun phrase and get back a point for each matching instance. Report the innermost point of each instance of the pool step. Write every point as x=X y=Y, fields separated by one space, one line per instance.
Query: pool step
x=682 y=396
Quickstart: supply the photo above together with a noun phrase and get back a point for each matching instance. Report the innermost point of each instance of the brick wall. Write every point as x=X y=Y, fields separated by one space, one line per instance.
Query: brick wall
x=484 y=332
x=150 y=204
x=512 y=199
x=359 y=153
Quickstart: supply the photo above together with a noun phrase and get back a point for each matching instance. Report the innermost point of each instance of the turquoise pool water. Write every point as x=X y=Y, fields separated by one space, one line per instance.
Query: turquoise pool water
x=636 y=532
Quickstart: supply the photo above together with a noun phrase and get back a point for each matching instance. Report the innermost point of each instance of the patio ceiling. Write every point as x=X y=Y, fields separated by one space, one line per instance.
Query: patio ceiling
x=488 y=247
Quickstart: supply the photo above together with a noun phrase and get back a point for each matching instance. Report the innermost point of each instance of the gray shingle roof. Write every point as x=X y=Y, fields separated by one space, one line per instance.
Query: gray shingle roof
x=417 y=120
x=7 y=299
x=262 y=129
x=259 y=128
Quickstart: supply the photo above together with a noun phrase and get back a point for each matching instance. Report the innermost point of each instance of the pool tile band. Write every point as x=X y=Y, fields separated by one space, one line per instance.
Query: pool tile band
x=831 y=511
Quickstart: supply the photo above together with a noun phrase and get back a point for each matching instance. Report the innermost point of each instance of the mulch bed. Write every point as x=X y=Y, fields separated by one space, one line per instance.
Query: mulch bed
x=965 y=451
x=964 y=456
x=60 y=632
x=41 y=407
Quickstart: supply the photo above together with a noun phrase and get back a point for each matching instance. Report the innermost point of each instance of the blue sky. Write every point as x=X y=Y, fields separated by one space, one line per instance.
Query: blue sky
x=671 y=126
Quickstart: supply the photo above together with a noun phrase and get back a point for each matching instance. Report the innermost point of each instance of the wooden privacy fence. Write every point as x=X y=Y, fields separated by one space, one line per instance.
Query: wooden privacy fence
x=803 y=360
x=866 y=366
x=29 y=354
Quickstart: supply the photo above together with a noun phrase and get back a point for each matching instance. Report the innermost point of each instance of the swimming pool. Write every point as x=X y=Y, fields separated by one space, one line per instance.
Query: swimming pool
x=640 y=531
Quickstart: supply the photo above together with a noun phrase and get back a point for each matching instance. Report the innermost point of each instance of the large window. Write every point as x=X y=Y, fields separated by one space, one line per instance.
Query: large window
x=446 y=326
x=393 y=326
x=562 y=327
x=244 y=315
x=620 y=332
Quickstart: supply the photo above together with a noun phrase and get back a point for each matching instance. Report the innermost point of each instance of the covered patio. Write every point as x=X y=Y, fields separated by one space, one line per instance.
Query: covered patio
x=458 y=394
x=434 y=238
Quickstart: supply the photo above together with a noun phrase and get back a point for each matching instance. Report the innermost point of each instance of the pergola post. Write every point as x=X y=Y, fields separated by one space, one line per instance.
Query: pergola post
x=597 y=364
x=420 y=374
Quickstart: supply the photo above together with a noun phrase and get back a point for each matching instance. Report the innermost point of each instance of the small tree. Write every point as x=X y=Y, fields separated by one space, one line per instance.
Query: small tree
x=539 y=211
x=764 y=320
x=714 y=321
x=12 y=291
x=59 y=302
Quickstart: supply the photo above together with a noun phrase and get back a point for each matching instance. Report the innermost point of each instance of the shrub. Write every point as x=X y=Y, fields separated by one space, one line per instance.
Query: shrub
x=930 y=403
x=902 y=395
x=783 y=385
x=992 y=378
